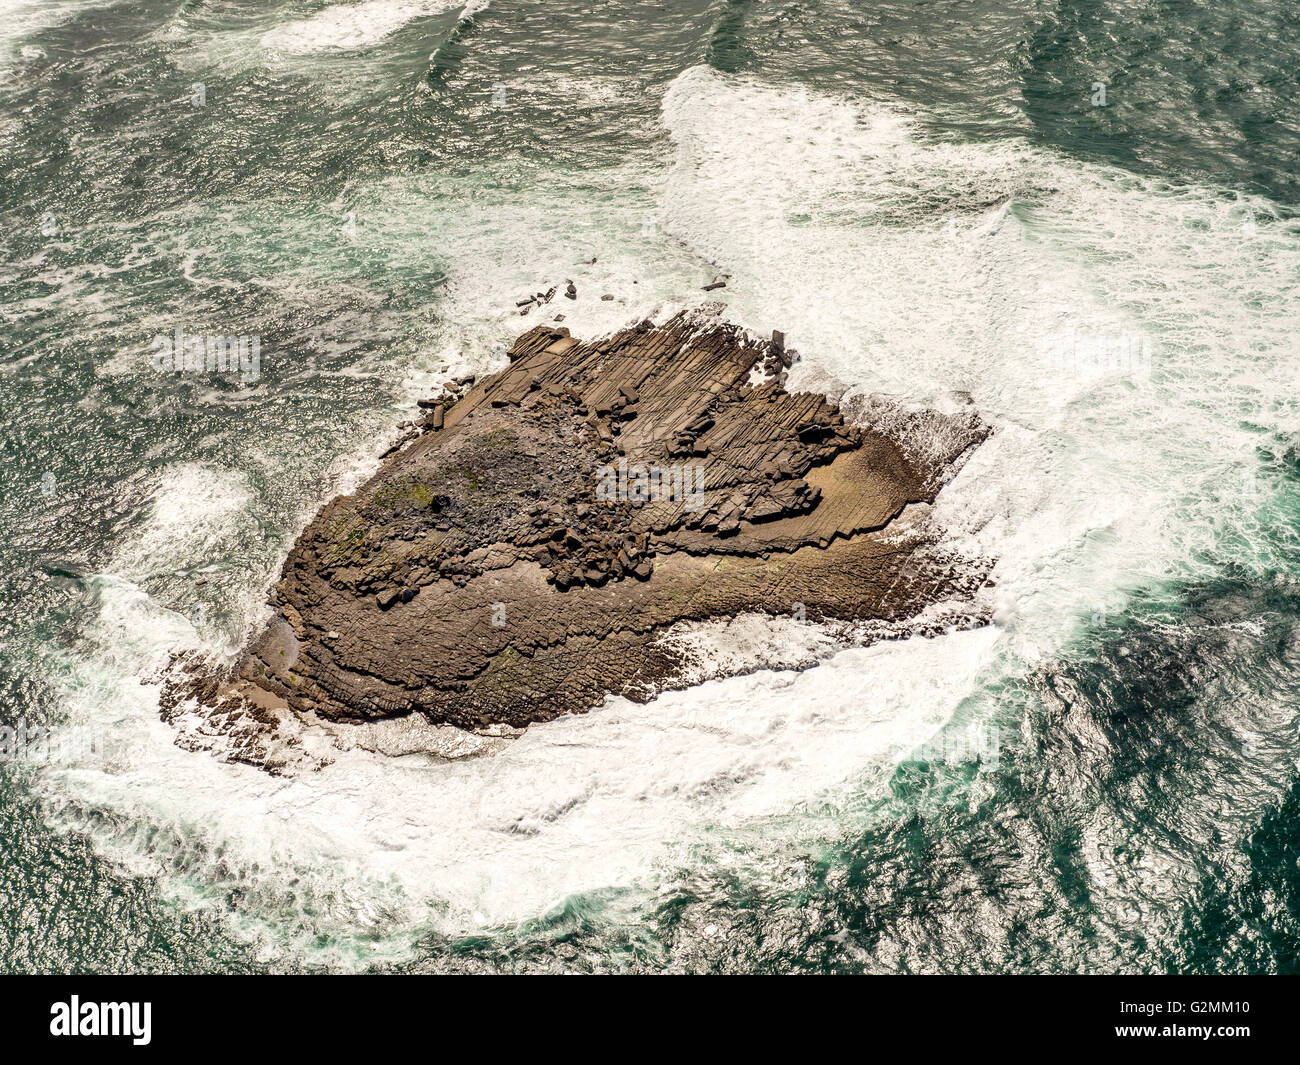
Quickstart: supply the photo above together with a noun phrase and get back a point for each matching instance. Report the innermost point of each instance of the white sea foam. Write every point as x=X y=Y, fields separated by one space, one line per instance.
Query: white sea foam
x=20 y=19
x=833 y=220
x=916 y=267
x=346 y=27
x=194 y=512
x=507 y=249
x=373 y=850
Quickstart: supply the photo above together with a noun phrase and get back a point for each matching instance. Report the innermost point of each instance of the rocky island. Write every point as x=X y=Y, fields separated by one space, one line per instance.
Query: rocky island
x=519 y=555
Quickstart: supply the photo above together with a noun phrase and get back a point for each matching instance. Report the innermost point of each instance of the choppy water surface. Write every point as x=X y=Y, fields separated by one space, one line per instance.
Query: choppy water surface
x=928 y=199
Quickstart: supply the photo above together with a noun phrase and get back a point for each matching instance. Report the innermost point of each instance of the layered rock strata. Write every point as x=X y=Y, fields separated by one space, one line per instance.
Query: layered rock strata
x=518 y=557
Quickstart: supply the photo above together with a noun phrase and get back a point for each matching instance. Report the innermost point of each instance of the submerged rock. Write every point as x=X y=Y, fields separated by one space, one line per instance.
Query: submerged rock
x=518 y=559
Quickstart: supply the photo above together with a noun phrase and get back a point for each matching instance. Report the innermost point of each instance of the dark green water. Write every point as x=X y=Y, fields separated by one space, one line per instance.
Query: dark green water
x=925 y=197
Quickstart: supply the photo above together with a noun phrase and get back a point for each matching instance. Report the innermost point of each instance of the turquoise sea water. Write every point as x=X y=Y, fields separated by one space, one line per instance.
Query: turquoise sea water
x=1082 y=215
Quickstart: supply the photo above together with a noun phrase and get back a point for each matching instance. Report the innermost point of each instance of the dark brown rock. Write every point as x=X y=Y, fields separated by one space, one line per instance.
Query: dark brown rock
x=549 y=546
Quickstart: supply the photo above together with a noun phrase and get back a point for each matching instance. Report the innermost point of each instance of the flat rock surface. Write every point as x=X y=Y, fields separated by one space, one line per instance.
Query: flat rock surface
x=517 y=557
